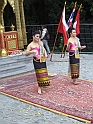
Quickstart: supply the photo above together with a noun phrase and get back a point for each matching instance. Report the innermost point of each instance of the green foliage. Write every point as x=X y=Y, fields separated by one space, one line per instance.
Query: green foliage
x=61 y=44
x=49 y=11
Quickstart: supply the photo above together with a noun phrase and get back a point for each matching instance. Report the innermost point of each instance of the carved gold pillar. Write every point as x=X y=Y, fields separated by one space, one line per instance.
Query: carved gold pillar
x=18 y=24
x=3 y=3
x=1 y=18
x=23 y=22
x=3 y=51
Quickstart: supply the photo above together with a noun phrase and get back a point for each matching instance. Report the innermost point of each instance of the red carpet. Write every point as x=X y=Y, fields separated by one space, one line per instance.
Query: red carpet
x=63 y=97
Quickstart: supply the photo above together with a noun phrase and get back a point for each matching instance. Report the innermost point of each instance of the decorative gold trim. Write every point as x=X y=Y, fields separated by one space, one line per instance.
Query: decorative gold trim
x=72 y=54
x=42 y=59
x=12 y=27
x=40 y=71
x=11 y=2
x=4 y=4
x=42 y=79
x=1 y=28
x=3 y=52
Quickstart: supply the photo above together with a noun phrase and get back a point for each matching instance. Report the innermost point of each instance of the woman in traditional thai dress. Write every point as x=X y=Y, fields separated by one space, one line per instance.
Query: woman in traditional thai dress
x=39 y=54
x=73 y=47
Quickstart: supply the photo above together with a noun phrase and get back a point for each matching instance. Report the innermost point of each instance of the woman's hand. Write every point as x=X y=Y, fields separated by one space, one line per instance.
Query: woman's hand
x=34 y=52
x=82 y=47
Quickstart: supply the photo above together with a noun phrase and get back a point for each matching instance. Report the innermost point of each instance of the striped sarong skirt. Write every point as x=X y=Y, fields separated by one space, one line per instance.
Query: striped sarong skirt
x=74 y=65
x=41 y=73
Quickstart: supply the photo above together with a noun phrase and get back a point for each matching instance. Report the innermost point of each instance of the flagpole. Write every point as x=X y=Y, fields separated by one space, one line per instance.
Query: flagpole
x=75 y=3
x=63 y=52
x=53 y=46
x=81 y=6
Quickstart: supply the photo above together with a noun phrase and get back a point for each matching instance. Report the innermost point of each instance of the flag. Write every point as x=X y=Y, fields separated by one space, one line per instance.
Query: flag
x=63 y=27
x=76 y=24
x=69 y=22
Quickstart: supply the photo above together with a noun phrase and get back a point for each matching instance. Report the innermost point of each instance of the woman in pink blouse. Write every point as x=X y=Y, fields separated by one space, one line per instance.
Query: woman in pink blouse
x=73 y=47
x=39 y=54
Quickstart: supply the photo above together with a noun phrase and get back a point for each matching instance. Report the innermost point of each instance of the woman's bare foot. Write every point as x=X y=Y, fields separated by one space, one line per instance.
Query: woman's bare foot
x=39 y=90
x=75 y=82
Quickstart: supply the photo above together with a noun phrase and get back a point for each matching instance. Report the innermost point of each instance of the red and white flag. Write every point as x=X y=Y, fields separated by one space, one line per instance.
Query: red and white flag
x=63 y=27
x=76 y=24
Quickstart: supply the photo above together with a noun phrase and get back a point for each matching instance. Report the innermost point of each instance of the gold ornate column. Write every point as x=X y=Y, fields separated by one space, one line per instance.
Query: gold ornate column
x=3 y=51
x=23 y=21
x=3 y=3
x=1 y=18
x=18 y=24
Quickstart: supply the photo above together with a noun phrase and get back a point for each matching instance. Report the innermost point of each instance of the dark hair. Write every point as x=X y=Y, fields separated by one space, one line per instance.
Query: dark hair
x=70 y=29
x=35 y=32
x=44 y=26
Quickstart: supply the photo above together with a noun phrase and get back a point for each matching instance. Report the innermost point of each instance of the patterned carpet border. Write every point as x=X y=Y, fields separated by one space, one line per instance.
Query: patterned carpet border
x=62 y=97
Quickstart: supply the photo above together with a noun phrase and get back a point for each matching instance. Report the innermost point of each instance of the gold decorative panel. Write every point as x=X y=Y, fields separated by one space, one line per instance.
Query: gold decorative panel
x=12 y=44
x=11 y=41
